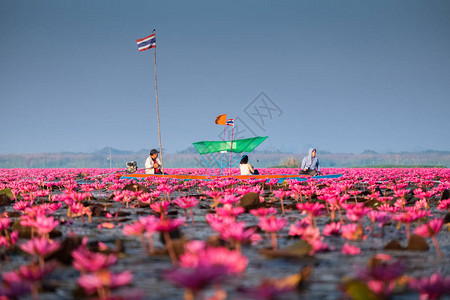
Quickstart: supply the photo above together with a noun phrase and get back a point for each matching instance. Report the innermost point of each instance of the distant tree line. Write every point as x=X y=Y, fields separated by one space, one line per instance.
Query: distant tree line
x=193 y=160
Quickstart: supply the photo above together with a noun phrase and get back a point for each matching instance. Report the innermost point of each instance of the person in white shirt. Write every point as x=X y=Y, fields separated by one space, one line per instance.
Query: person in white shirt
x=153 y=164
x=246 y=168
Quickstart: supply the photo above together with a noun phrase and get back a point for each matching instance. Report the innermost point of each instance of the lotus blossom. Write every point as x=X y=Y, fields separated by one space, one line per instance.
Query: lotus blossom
x=312 y=209
x=233 y=261
x=13 y=286
x=433 y=287
x=228 y=199
x=186 y=202
x=145 y=226
x=299 y=227
x=195 y=279
x=272 y=224
x=165 y=226
x=41 y=247
x=350 y=250
x=444 y=205
x=237 y=233
x=334 y=228
x=280 y=194
x=33 y=274
x=21 y=205
x=160 y=207
x=103 y=281
x=4 y=221
x=218 y=222
x=85 y=260
x=353 y=232
x=431 y=229
x=229 y=210
x=263 y=212
x=43 y=224
x=9 y=239
x=381 y=277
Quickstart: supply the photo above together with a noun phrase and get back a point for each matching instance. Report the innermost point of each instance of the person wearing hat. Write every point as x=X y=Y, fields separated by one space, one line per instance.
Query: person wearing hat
x=153 y=164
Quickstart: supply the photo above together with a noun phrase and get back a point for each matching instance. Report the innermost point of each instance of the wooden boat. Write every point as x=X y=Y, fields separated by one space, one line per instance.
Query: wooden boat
x=280 y=177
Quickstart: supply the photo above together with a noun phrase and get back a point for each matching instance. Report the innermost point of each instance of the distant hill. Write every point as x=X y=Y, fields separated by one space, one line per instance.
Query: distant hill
x=106 y=151
x=189 y=158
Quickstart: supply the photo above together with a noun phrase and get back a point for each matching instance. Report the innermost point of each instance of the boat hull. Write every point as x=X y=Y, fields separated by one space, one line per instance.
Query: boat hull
x=280 y=177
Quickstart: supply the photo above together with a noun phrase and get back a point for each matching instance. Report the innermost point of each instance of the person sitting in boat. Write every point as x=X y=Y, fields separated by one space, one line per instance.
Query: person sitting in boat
x=246 y=167
x=310 y=164
x=153 y=164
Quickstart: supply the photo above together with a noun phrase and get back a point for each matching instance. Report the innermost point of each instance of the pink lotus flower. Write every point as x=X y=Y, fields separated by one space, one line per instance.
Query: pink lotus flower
x=218 y=222
x=356 y=212
x=21 y=205
x=312 y=209
x=200 y=255
x=44 y=225
x=13 y=286
x=136 y=228
x=237 y=233
x=34 y=273
x=103 y=281
x=353 y=232
x=431 y=229
x=195 y=279
x=444 y=205
x=272 y=224
x=187 y=203
x=263 y=212
x=10 y=239
x=85 y=260
x=333 y=228
x=350 y=250
x=160 y=207
x=145 y=198
x=4 y=222
x=40 y=247
x=387 y=208
x=381 y=277
x=229 y=211
x=77 y=197
x=145 y=226
x=165 y=226
x=298 y=229
x=407 y=218
x=228 y=199
x=433 y=287
x=280 y=194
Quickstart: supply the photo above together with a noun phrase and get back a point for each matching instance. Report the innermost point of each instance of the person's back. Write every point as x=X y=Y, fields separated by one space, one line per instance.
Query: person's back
x=246 y=168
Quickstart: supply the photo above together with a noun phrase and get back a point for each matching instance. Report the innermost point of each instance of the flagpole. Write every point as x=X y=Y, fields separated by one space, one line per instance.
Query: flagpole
x=221 y=162
x=157 y=112
x=231 y=148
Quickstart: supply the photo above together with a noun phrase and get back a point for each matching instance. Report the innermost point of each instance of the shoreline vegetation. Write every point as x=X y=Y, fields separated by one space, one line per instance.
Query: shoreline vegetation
x=259 y=159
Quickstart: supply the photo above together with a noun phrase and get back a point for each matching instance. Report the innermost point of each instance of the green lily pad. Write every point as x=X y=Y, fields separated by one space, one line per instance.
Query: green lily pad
x=6 y=192
x=359 y=291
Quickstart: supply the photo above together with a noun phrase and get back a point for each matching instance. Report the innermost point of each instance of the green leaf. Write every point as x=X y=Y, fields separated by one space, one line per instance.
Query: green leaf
x=359 y=291
x=6 y=192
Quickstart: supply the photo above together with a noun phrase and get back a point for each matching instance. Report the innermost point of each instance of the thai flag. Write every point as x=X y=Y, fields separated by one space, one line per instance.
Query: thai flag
x=230 y=122
x=147 y=42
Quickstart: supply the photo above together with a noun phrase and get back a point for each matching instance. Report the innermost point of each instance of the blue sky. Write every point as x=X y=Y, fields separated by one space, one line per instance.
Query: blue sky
x=343 y=76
